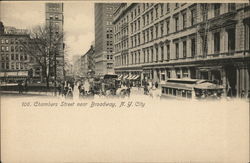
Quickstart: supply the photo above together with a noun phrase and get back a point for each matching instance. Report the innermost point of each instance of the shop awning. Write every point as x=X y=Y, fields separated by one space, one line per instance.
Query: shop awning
x=136 y=77
x=119 y=77
x=126 y=76
x=130 y=77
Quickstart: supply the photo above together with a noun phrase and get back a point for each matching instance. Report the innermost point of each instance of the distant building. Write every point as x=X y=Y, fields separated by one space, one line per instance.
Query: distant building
x=55 y=20
x=104 y=37
x=76 y=60
x=87 y=62
x=1 y=28
x=158 y=41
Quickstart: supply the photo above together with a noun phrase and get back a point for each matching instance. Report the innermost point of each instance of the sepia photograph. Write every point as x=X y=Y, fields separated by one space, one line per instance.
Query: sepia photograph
x=89 y=81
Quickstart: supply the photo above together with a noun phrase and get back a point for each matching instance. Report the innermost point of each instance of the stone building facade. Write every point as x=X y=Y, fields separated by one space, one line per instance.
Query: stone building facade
x=159 y=41
x=15 y=62
x=104 y=38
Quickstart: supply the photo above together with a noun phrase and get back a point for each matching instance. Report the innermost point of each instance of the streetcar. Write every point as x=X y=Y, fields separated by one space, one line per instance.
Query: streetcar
x=191 y=89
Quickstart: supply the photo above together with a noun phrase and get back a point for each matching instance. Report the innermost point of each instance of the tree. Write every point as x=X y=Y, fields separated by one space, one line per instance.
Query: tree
x=45 y=44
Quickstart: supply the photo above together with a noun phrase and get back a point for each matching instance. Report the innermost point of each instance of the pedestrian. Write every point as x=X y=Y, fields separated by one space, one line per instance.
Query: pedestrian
x=20 y=87
x=26 y=86
x=70 y=92
x=156 y=84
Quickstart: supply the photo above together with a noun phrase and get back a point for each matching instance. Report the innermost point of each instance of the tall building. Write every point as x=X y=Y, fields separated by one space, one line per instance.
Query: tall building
x=104 y=37
x=158 y=41
x=55 y=20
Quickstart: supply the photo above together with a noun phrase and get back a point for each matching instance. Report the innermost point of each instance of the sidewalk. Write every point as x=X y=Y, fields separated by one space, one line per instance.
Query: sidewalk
x=29 y=93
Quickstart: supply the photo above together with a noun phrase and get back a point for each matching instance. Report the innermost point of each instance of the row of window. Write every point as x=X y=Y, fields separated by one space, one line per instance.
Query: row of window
x=12 y=48
x=14 y=57
x=156 y=53
x=11 y=41
x=14 y=66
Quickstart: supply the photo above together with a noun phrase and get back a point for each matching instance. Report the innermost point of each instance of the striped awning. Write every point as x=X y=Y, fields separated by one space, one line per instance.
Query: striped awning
x=125 y=77
x=130 y=77
x=136 y=77
x=119 y=77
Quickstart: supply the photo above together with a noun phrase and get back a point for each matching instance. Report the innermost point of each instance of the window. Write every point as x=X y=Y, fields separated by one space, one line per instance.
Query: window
x=7 y=57
x=147 y=35
x=139 y=39
x=21 y=57
x=17 y=65
x=161 y=9
x=204 y=11
x=156 y=12
x=21 y=66
x=51 y=17
x=139 y=24
x=184 y=19
x=177 y=50
x=25 y=57
x=147 y=54
x=247 y=36
x=231 y=7
x=176 y=23
x=193 y=16
x=184 y=72
x=144 y=56
x=168 y=52
x=56 y=17
x=12 y=66
x=152 y=52
x=216 y=9
x=162 y=29
x=139 y=56
x=6 y=41
x=2 y=48
x=167 y=26
x=2 y=41
x=7 y=48
x=193 y=47
x=168 y=8
x=12 y=48
x=184 y=49
x=147 y=19
x=7 y=65
x=231 y=39
x=3 y=65
x=204 y=45
x=12 y=56
x=143 y=19
x=156 y=31
x=162 y=53
x=156 y=53
x=2 y=57
x=152 y=33
x=217 y=42
x=17 y=57
x=178 y=74
x=176 y=5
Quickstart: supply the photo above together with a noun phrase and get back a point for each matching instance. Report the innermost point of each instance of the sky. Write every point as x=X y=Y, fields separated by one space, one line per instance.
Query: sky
x=78 y=21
